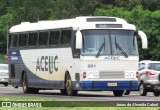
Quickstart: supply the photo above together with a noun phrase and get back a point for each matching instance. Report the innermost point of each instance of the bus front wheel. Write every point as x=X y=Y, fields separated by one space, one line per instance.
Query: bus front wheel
x=118 y=92
x=69 y=86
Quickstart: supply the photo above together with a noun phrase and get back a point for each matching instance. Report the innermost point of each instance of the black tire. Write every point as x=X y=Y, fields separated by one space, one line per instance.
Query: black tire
x=69 y=86
x=127 y=92
x=118 y=92
x=156 y=93
x=63 y=91
x=142 y=90
x=6 y=84
x=25 y=87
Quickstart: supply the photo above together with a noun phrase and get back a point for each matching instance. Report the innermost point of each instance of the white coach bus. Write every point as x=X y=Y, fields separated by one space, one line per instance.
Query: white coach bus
x=81 y=54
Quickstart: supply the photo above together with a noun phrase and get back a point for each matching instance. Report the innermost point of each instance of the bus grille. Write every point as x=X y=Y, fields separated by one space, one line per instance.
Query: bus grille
x=111 y=74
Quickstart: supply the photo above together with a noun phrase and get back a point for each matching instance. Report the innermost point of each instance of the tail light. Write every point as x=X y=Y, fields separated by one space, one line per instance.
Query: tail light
x=149 y=73
x=137 y=74
x=84 y=74
x=6 y=57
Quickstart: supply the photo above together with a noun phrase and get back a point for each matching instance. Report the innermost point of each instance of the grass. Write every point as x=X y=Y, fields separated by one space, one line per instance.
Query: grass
x=52 y=101
x=80 y=108
x=19 y=98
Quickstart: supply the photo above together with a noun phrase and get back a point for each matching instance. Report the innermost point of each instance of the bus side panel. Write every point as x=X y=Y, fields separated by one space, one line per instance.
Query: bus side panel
x=14 y=67
x=46 y=68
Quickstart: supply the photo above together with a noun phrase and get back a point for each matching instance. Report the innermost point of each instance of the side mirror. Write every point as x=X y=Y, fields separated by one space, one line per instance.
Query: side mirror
x=144 y=39
x=78 y=40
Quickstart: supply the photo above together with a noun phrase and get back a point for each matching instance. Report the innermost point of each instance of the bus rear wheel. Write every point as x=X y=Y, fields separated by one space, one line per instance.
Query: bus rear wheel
x=25 y=84
x=25 y=87
x=69 y=86
x=118 y=92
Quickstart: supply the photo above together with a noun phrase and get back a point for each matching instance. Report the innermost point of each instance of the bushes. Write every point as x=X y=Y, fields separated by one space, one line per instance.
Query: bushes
x=2 y=59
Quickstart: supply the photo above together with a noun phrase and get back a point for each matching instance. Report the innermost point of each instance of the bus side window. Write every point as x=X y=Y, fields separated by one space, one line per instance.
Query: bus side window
x=43 y=38
x=54 y=37
x=33 y=37
x=14 y=40
x=66 y=36
x=23 y=37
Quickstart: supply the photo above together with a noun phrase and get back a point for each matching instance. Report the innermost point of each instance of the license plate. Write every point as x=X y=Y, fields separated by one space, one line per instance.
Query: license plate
x=112 y=84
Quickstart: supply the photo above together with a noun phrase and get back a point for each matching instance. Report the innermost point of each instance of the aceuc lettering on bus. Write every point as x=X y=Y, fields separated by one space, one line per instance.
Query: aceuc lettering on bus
x=111 y=58
x=47 y=63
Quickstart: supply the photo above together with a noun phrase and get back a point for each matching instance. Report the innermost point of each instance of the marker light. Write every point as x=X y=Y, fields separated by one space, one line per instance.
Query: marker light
x=84 y=74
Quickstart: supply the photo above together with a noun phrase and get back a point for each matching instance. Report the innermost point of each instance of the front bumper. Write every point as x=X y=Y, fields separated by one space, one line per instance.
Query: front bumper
x=106 y=85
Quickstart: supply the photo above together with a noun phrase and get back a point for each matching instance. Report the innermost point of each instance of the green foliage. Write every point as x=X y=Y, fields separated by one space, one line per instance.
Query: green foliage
x=145 y=14
x=73 y=8
x=2 y=59
x=115 y=12
x=30 y=10
x=5 y=20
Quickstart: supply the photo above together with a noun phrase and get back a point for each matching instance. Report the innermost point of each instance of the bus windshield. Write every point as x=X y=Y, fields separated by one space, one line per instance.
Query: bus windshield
x=109 y=42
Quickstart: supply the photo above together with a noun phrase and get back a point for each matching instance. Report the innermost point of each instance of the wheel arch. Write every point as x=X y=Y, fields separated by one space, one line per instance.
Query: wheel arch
x=66 y=73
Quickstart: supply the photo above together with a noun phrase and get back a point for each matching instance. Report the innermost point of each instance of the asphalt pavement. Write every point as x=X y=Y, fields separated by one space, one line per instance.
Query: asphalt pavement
x=81 y=96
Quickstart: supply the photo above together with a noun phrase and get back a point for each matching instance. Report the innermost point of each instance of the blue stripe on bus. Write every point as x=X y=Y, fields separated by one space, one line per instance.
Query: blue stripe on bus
x=103 y=85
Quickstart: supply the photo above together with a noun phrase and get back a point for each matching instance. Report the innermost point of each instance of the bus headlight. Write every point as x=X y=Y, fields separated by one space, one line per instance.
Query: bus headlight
x=130 y=74
x=93 y=74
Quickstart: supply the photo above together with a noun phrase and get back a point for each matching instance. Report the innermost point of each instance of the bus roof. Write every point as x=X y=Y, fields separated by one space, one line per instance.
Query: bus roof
x=84 y=22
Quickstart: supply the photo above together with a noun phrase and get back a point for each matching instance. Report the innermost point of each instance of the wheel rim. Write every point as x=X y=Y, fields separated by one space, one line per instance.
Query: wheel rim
x=69 y=85
x=24 y=85
x=141 y=89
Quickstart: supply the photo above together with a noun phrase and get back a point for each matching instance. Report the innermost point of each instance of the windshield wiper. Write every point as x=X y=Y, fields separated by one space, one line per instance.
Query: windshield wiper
x=100 y=49
x=121 y=50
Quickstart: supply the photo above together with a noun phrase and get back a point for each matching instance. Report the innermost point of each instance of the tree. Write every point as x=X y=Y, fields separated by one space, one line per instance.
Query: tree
x=73 y=8
x=30 y=10
x=5 y=20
